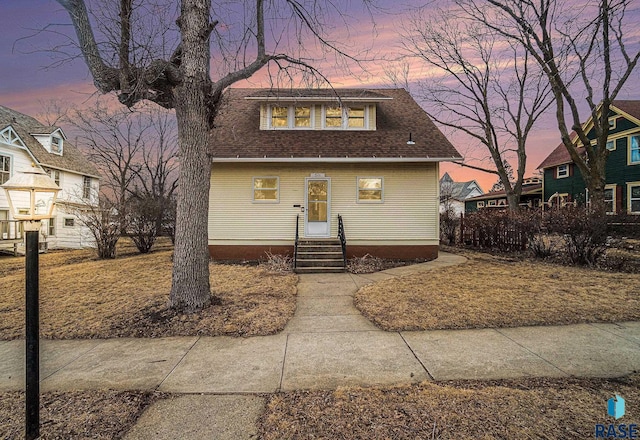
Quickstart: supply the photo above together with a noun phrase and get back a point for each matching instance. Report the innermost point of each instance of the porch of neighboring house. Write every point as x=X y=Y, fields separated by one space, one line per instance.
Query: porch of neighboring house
x=12 y=238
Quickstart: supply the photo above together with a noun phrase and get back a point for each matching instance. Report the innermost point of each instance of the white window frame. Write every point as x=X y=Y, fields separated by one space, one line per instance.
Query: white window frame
x=613 y=188
x=55 y=176
x=51 y=227
x=86 y=187
x=613 y=122
x=631 y=185
x=66 y=219
x=5 y=172
x=480 y=204
x=502 y=202
x=253 y=189
x=58 y=146
x=344 y=121
x=565 y=173
x=630 y=149
x=291 y=117
x=367 y=201
x=492 y=203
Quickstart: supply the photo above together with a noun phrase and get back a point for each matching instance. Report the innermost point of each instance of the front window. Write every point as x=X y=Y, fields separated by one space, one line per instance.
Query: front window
x=480 y=204
x=634 y=149
x=370 y=189
x=491 y=203
x=5 y=169
x=265 y=189
x=633 y=189
x=610 y=199
x=562 y=171
x=302 y=117
x=86 y=187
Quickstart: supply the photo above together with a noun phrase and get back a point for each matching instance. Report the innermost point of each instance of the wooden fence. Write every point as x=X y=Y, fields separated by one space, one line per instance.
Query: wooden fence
x=502 y=234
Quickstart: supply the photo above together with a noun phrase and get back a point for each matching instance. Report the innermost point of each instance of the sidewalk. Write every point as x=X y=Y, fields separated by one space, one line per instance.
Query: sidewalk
x=326 y=345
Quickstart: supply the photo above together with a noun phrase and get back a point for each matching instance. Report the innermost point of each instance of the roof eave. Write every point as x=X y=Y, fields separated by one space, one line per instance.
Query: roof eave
x=332 y=159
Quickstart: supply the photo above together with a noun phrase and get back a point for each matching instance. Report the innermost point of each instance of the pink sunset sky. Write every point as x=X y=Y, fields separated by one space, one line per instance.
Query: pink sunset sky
x=31 y=76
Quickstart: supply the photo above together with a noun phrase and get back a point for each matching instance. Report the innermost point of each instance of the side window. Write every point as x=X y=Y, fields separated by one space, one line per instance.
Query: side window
x=370 y=189
x=266 y=189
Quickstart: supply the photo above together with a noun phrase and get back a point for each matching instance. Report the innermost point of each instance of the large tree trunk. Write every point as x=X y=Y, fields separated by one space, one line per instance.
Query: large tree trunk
x=190 y=288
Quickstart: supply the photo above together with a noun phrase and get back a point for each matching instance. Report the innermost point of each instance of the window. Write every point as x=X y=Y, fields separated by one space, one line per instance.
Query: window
x=4 y=224
x=610 y=199
x=333 y=117
x=290 y=117
x=634 y=149
x=69 y=222
x=370 y=189
x=5 y=169
x=611 y=145
x=86 y=187
x=52 y=227
x=633 y=191
x=279 y=117
x=612 y=123
x=491 y=203
x=56 y=144
x=302 y=117
x=562 y=171
x=55 y=175
x=265 y=189
x=502 y=202
x=355 y=117
x=480 y=204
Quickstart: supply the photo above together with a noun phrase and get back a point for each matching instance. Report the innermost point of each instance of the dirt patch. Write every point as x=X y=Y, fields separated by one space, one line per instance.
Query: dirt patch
x=500 y=291
x=519 y=409
x=81 y=297
x=77 y=414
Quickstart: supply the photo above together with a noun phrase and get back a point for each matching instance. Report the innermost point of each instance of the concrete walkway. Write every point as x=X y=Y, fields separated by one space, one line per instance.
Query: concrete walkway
x=327 y=344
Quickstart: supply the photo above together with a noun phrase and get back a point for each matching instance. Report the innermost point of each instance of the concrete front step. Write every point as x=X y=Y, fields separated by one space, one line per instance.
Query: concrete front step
x=319 y=256
x=319 y=270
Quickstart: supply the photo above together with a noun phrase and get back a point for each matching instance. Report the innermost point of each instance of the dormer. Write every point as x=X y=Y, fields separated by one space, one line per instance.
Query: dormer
x=52 y=141
x=335 y=110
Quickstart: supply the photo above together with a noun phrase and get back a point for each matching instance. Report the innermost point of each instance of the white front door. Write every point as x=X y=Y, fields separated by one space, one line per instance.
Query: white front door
x=317 y=217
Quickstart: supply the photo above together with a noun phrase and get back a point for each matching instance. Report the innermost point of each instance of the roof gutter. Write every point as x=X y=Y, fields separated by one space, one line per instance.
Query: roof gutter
x=332 y=159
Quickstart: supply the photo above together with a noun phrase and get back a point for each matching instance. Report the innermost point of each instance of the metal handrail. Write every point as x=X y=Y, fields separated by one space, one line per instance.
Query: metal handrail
x=343 y=239
x=295 y=246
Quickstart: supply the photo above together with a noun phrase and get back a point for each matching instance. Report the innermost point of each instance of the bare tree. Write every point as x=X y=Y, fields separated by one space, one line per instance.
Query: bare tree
x=113 y=140
x=182 y=80
x=584 y=53
x=102 y=221
x=481 y=87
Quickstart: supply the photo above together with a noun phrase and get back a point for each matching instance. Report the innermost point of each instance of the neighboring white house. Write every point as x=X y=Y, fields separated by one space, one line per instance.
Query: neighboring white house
x=453 y=194
x=25 y=142
x=307 y=156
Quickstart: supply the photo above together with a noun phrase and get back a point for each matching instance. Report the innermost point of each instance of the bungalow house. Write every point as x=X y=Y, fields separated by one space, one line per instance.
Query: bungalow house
x=306 y=166
x=453 y=194
x=563 y=181
x=530 y=197
x=25 y=142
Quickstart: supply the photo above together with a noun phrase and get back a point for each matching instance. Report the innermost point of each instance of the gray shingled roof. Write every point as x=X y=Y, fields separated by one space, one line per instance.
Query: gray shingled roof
x=238 y=135
x=457 y=190
x=25 y=126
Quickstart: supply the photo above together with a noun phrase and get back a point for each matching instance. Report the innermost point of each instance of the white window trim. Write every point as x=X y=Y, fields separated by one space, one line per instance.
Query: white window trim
x=629 y=161
x=366 y=201
x=613 y=187
x=11 y=161
x=480 y=204
x=558 y=175
x=253 y=190
x=492 y=203
x=86 y=188
x=64 y=222
x=629 y=186
x=613 y=122
x=52 y=225
x=345 y=118
x=291 y=117
x=60 y=144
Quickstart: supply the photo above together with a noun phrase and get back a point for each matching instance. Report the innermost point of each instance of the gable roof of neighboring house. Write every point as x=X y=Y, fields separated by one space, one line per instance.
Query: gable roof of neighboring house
x=526 y=191
x=560 y=155
x=458 y=190
x=238 y=136
x=26 y=126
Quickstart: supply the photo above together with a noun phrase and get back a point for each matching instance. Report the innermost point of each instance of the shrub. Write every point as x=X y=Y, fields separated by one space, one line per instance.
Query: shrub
x=449 y=224
x=277 y=264
x=365 y=264
x=584 y=234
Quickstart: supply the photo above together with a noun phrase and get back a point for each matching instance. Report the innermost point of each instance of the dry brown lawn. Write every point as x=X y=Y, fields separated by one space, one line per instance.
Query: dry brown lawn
x=519 y=409
x=81 y=297
x=494 y=291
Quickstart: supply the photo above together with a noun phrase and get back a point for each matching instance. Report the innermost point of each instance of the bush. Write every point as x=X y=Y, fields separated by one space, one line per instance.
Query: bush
x=365 y=264
x=584 y=234
x=277 y=264
x=449 y=224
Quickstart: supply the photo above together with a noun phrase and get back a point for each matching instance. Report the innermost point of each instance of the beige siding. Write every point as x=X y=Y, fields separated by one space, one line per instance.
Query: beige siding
x=409 y=214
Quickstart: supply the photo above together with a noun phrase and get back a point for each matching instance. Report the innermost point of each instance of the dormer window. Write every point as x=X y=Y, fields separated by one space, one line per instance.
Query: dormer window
x=353 y=117
x=56 y=144
x=290 y=117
